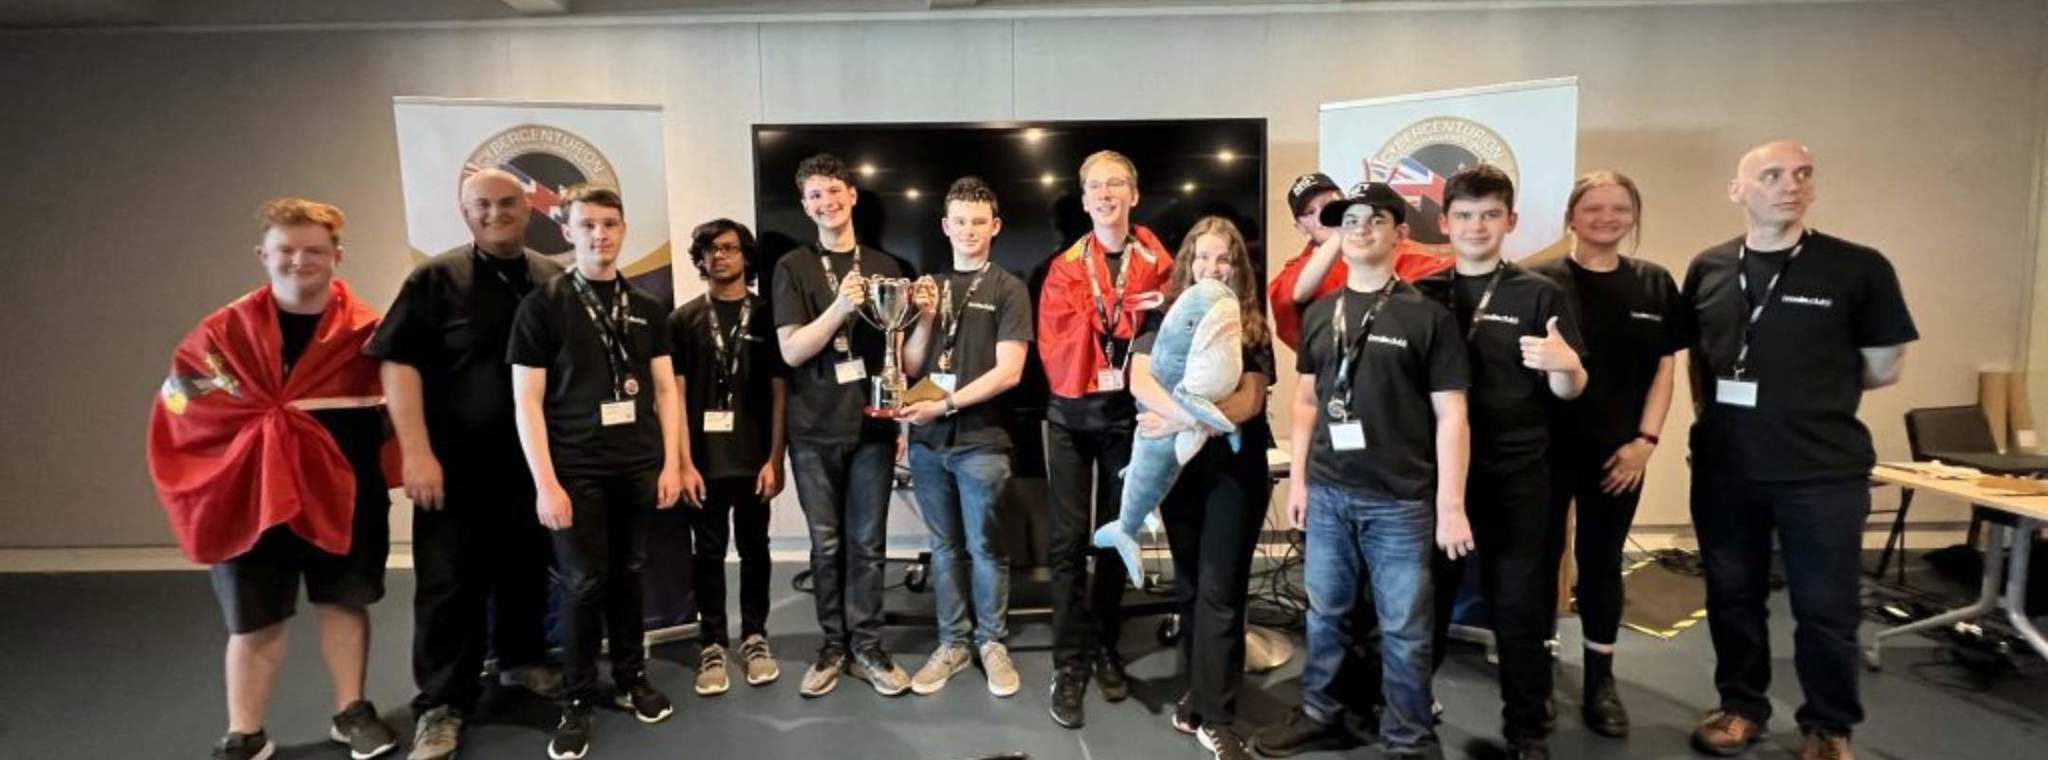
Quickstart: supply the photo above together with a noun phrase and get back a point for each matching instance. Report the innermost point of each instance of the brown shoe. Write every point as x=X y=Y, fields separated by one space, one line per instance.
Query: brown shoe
x=1819 y=744
x=1726 y=734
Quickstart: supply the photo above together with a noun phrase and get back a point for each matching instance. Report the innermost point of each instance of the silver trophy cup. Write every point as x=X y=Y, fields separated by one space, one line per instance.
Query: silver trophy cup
x=888 y=308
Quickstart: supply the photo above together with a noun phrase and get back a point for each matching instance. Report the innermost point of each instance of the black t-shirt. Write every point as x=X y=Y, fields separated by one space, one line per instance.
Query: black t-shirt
x=1414 y=349
x=821 y=409
x=358 y=432
x=297 y=331
x=452 y=321
x=1631 y=317
x=1000 y=311
x=1256 y=434
x=1511 y=405
x=1837 y=297
x=749 y=393
x=554 y=332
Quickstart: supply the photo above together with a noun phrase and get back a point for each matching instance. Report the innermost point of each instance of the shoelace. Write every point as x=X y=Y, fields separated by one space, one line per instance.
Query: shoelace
x=754 y=650
x=711 y=660
x=996 y=657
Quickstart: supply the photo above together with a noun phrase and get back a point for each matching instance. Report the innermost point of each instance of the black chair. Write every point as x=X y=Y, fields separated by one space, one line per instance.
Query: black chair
x=1947 y=429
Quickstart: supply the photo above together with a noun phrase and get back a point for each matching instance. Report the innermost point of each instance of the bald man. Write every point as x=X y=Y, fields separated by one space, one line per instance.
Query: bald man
x=476 y=544
x=1787 y=328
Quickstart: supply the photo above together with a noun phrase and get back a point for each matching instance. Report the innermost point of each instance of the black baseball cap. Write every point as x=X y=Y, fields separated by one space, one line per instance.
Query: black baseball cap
x=1305 y=187
x=1378 y=196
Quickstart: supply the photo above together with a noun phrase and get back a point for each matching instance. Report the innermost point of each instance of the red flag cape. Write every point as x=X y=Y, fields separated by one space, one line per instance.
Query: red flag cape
x=1411 y=263
x=232 y=449
x=1069 y=327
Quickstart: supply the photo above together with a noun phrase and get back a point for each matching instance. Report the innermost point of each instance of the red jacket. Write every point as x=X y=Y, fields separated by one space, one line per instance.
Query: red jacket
x=1411 y=263
x=1069 y=327
x=232 y=449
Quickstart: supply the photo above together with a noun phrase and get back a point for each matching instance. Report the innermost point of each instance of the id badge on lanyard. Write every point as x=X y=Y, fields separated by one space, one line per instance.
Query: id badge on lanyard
x=718 y=421
x=1110 y=378
x=611 y=413
x=1348 y=435
x=1738 y=389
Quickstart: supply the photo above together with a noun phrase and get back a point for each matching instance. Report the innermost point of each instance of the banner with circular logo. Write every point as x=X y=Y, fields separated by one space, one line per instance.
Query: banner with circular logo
x=1416 y=142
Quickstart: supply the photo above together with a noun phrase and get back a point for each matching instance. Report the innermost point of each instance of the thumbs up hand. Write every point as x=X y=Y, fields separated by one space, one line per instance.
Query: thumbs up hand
x=1549 y=353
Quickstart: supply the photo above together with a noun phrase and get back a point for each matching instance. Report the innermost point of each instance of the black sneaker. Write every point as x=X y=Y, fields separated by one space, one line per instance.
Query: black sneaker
x=358 y=726
x=640 y=697
x=235 y=746
x=1111 y=678
x=1069 y=688
x=1183 y=716
x=1222 y=743
x=1299 y=732
x=1604 y=712
x=1528 y=749
x=572 y=735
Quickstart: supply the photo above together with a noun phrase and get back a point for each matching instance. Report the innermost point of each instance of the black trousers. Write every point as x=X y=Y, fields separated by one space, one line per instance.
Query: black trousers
x=1511 y=523
x=481 y=561
x=1819 y=529
x=731 y=514
x=1213 y=515
x=1601 y=532
x=598 y=562
x=1087 y=611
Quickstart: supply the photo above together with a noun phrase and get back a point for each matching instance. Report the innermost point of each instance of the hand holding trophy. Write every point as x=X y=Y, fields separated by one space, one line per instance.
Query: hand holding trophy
x=886 y=304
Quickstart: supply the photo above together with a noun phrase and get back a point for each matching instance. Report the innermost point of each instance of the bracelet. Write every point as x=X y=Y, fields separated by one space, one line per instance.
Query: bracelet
x=1651 y=437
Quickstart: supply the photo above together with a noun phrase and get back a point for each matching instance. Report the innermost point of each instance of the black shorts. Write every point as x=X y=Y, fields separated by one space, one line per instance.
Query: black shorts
x=260 y=588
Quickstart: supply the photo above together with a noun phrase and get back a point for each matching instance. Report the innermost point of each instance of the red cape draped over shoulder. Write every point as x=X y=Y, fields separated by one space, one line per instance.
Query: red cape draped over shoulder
x=1070 y=328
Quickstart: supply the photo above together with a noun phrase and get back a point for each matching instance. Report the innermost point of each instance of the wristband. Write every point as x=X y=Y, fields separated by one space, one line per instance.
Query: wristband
x=1652 y=438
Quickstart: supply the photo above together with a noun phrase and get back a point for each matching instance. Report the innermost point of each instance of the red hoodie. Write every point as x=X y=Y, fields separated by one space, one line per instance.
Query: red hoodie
x=232 y=448
x=1070 y=328
x=1411 y=263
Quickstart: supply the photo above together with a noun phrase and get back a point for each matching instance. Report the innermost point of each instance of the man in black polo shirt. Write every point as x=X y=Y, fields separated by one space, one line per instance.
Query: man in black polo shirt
x=841 y=459
x=733 y=393
x=1787 y=328
x=1524 y=343
x=1380 y=446
x=477 y=552
x=600 y=421
x=971 y=337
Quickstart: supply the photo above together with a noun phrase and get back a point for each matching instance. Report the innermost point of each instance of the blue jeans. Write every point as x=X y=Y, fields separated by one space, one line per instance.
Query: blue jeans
x=844 y=491
x=1350 y=534
x=958 y=490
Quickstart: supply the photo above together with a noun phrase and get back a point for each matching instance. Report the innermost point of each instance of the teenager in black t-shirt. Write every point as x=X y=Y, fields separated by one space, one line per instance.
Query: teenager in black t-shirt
x=1377 y=475
x=841 y=459
x=1523 y=340
x=480 y=557
x=1787 y=328
x=731 y=375
x=1603 y=441
x=600 y=421
x=973 y=329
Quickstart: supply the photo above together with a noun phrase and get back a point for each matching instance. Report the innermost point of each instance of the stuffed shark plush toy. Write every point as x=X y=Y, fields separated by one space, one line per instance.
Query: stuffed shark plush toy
x=1197 y=357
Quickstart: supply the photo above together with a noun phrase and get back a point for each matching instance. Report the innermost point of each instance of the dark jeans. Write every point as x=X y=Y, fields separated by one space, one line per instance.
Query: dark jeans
x=1819 y=528
x=1601 y=532
x=481 y=562
x=731 y=514
x=1347 y=533
x=1087 y=610
x=1212 y=520
x=844 y=491
x=1512 y=526
x=598 y=561
x=958 y=492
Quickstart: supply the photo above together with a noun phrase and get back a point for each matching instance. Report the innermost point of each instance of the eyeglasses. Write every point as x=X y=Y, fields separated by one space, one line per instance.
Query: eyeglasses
x=726 y=249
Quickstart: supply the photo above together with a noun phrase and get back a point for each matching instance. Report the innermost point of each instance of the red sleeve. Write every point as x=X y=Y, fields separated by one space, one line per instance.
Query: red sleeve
x=1412 y=262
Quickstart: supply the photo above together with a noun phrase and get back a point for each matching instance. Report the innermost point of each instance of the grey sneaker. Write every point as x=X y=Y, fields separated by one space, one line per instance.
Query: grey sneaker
x=435 y=735
x=875 y=667
x=1002 y=674
x=711 y=678
x=544 y=680
x=365 y=734
x=759 y=661
x=947 y=660
x=823 y=676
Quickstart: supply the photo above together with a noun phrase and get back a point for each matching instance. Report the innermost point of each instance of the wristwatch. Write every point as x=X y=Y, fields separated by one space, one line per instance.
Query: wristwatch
x=950 y=408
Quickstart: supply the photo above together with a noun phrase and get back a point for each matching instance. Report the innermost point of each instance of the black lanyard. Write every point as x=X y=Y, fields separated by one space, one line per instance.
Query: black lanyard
x=729 y=349
x=845 y=334
x=955 y=314
x=1756 y=307
x=1485 y=299
x=1110 y=312
x=1340 y=406
x=611 y=331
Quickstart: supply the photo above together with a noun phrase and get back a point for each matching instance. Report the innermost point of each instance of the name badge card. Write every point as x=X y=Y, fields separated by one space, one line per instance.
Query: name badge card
x=1347 y=436
x=945 y=380
x=850 y=371
x=612 y=413
x=1735 y=392
x=718 y=422
x=1109 y=380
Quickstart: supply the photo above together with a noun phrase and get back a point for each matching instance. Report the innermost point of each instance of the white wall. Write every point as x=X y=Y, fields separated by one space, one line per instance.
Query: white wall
x=134 y=161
